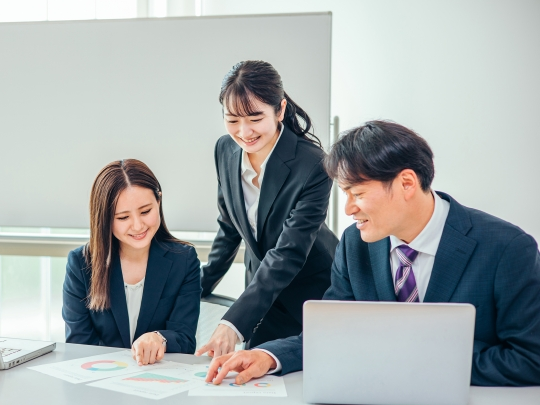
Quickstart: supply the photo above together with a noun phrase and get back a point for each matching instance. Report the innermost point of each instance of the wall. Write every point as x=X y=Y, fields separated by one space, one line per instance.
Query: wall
x=463 y=74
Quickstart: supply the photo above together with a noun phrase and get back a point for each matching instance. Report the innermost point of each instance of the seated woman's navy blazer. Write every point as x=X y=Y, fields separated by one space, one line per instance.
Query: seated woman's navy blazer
x=170 y=302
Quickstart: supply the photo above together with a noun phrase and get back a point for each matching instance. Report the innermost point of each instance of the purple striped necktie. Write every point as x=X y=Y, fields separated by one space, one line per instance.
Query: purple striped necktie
x=405 y=287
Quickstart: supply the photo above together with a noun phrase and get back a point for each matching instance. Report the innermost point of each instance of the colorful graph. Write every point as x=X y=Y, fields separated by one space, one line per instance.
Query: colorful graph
x=262 y=385
x=236 y=385
x=95 y=365
x=150 y=377
x=200 y=374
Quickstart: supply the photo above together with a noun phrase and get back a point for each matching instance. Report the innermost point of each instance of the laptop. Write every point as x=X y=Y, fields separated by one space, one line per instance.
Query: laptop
x=387 y=353
x=18 y=351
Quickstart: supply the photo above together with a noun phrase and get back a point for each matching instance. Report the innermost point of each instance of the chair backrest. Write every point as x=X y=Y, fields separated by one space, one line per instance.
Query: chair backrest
x=213 y=307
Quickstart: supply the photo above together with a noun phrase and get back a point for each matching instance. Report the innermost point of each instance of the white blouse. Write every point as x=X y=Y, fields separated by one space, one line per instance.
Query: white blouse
x=134 y=293
x=251 y=191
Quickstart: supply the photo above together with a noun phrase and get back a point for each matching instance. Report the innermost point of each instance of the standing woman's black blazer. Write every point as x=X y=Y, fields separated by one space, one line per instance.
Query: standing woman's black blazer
x=290 y=263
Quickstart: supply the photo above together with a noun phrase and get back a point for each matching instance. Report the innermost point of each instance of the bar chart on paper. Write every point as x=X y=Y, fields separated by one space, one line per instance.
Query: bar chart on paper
x=157 y=384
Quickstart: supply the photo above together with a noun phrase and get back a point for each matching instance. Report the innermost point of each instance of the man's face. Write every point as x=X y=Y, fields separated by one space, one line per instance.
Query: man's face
x=376 y=207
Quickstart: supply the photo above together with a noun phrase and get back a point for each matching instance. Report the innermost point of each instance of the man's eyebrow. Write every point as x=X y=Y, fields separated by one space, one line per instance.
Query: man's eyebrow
x=140 y=208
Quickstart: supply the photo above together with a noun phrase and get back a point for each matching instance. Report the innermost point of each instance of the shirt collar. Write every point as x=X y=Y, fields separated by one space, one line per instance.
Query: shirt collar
x=428 y=240
x=246 y=164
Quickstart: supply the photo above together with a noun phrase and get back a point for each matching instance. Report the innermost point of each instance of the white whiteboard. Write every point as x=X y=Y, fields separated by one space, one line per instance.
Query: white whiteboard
x=77 y=95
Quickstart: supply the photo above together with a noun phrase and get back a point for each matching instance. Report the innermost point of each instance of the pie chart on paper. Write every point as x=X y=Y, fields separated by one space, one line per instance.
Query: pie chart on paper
x=104 y=365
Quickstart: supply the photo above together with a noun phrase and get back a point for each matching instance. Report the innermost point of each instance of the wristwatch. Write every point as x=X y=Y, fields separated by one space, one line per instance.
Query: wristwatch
x=162 y=337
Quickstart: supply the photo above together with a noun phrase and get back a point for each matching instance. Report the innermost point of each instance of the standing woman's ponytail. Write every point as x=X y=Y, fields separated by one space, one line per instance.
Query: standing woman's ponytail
x=259 y=79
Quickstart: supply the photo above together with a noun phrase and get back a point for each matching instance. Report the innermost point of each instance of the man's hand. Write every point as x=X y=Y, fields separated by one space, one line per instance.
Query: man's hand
x=249 y=363
x=222 y=342
x=148 y=349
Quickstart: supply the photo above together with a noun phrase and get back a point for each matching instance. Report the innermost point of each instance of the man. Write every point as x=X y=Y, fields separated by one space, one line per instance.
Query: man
x=411 y=244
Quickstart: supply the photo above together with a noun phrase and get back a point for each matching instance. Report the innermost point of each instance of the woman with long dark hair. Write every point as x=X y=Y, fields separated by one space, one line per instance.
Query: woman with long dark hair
x=133 y=285
x=273 y=194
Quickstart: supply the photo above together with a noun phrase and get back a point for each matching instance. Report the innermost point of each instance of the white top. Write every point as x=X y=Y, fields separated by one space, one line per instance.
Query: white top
x=134 y=293
x=426 y=243
x=252 y=192
x=251 y=201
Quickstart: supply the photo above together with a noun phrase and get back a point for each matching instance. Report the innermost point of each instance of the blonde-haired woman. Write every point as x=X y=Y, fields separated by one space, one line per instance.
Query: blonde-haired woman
x=133 y=285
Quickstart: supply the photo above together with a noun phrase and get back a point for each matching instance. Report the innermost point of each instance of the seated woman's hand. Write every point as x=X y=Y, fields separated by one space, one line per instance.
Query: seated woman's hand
x=222 y=342
x=148 y=349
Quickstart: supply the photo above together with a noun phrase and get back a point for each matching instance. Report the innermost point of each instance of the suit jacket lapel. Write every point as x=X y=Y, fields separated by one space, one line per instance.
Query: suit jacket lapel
x=118 y=300
x=157 y=273
x=275 y=174
x=379 y=256
x=239 y=205
x=453 y=254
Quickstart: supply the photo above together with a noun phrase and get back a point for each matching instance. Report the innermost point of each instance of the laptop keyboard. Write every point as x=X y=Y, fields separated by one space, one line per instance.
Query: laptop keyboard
x=6 y=352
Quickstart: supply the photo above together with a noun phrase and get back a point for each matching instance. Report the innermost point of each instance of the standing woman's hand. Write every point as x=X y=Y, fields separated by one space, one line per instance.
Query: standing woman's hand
x=148 y=349
x=222 y=342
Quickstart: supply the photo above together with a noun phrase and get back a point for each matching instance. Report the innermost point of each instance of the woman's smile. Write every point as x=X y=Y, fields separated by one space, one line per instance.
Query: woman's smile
x=250 y=141
x=139 y=236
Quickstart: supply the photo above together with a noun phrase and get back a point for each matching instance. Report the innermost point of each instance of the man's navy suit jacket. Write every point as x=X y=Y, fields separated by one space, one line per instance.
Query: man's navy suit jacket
x=481 y=260
x=170 y=302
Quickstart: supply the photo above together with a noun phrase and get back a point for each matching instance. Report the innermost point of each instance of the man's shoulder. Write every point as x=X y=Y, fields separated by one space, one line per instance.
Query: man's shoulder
x=497 y=234
x=490 y=223
x=483 y=227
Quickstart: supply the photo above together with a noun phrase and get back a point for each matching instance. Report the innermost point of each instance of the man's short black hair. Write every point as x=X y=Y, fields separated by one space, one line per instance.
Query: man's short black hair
x=380 y=150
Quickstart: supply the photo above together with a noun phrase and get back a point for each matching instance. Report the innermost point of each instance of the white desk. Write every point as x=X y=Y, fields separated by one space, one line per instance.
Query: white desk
x=20 y=386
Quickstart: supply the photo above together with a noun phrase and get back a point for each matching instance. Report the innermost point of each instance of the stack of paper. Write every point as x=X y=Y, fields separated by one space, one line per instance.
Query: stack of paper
x=119 y=372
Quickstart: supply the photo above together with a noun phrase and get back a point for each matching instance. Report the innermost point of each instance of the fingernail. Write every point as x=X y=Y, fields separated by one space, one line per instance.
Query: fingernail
x=240 y=380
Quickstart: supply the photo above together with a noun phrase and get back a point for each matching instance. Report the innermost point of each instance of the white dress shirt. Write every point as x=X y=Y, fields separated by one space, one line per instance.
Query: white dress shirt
x=426 y=243
x=251 y=201
x=134 y=293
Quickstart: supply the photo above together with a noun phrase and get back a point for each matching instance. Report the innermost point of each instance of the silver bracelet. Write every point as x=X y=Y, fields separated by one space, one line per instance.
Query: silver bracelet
x=163 y=338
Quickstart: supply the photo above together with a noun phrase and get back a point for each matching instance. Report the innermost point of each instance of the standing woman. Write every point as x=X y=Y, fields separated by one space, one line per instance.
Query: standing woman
x=273 y=194
x=134 y=285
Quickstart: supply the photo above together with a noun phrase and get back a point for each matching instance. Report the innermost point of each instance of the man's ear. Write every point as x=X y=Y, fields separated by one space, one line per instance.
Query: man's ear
x=408 y=181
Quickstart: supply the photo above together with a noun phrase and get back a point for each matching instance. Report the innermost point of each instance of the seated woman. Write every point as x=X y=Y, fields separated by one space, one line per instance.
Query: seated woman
x=133 y=285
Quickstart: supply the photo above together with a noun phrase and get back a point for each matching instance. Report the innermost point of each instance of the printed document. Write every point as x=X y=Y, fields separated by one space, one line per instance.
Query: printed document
x=97 y=367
